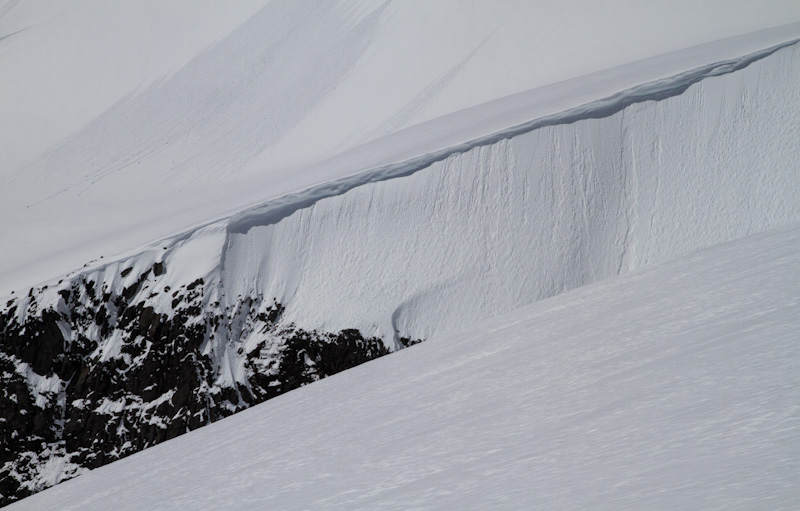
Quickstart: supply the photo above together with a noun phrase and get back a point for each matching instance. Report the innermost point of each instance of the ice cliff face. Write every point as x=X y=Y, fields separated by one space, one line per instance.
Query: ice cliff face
x=507 y=223
x=119 y=356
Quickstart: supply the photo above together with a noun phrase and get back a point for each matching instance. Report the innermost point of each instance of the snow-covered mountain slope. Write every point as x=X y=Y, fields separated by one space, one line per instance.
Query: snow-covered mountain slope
x=339 y=197
x=162 y=121
x=65 y=63
x=670 y=388
x=124 y=354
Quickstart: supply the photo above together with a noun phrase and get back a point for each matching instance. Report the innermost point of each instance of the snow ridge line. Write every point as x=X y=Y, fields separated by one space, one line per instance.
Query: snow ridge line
x=273 y=211
x=276 y=210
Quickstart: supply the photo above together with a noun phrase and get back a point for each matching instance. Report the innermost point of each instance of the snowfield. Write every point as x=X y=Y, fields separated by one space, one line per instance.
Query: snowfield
x=669 y=388
x=223 y=205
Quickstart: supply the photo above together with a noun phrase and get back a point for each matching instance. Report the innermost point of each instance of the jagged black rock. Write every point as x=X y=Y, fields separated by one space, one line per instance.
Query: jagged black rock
x=159 y=386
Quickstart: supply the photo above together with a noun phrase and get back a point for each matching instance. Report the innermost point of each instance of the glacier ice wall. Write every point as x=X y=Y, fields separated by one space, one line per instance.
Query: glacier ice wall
x=505 y=224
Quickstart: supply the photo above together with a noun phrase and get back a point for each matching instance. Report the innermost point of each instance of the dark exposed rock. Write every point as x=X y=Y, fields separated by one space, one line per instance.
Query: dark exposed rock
x=160 y=384
x=408 y=341
x=198 y=282
x=129 y=292
x=38 y=342
x=89 y=285
x=158 y=269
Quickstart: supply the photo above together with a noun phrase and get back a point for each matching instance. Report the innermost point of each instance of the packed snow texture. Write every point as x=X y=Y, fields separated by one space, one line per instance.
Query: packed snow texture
x=122 y=123
x=670 y=388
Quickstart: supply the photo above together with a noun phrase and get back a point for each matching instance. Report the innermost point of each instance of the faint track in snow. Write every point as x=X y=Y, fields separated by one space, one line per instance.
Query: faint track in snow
x=4 y=37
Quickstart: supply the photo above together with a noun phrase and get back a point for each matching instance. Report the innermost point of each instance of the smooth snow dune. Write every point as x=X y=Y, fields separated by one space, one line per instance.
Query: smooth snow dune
x=670 y=388
x=122 y=124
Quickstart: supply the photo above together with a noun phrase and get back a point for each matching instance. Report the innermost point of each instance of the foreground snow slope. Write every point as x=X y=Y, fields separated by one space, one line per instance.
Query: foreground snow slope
x=119 y=123
x=670 y=388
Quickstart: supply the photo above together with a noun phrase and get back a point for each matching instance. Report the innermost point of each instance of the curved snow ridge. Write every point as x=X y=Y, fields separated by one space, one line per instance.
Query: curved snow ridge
x=277 y=209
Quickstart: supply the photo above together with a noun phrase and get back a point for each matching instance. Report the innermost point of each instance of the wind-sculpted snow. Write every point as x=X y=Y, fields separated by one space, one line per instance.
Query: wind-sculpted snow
x=276 y=210
x=167 y=129
x=198 y=326
x=521 y=215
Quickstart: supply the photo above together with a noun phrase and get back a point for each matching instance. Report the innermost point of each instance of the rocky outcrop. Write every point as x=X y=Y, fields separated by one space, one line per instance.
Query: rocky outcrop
x=92 y=373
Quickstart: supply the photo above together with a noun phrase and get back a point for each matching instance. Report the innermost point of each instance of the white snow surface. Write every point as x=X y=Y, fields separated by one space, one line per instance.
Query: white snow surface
x=413 y=168
x=122 y=123
x=674 y=387
x=64 y=63
x=437 y=243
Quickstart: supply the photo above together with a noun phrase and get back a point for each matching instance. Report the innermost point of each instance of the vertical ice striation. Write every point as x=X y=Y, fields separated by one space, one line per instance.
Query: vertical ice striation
x=508 y=223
